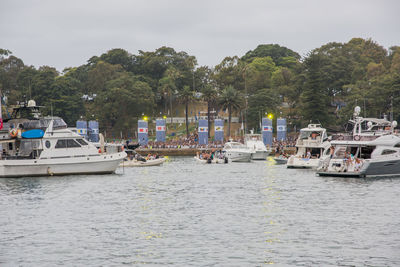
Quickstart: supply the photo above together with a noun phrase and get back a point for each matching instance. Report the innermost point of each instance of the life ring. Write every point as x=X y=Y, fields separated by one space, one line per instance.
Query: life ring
x=357 y=138
x=1 y=123
x=13 y=132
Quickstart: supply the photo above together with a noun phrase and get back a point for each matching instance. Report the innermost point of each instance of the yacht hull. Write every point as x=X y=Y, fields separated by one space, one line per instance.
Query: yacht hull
x=100 y=164
x=259 y=155
x=371 y=169
x=238 y=156
x=138 y=163
x=302 y=163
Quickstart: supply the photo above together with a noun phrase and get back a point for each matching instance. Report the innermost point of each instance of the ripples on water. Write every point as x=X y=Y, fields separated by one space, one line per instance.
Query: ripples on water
x=187 y=214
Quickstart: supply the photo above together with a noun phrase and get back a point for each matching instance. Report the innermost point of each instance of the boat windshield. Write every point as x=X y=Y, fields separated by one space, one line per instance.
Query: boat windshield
x=234 y=145
x=256 y=137
x=44 y=123
x=342 y=152
x=314 y=135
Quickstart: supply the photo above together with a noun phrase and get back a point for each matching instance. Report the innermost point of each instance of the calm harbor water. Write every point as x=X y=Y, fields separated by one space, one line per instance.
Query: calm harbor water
x=187 y=214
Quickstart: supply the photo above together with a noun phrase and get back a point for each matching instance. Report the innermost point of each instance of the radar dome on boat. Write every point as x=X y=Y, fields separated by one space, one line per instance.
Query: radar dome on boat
x=31 y=103
x=357 y=110
x=394 y=124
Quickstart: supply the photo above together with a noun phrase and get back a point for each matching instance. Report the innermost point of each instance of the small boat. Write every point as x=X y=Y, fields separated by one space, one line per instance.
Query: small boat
x=281 y=160
x=134 y=159
x=237 y=152
x=139 y=163
x=218 y=158
x=256 y=145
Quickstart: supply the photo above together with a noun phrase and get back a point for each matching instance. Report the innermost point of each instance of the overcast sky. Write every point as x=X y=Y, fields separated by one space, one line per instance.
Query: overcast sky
x=67 y=33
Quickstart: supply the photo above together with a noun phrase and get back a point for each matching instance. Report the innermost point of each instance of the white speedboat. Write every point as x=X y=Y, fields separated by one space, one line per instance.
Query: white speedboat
x=139 y=163
x=254 y=143
x=210 y=161
x=371 y=149
x=237 y=152
x=312 y=144
x=218 y=157
x=46 y=147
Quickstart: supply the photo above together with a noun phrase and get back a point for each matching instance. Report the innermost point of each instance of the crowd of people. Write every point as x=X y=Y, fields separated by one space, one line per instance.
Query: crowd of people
x=193 y=142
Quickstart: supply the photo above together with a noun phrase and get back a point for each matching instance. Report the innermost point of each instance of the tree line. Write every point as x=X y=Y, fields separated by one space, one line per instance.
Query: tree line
x=118 y=87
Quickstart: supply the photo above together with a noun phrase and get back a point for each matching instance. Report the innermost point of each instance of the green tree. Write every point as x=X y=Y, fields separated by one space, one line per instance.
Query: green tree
x=100 y=74
x=64 y=99
x=209 y=95
x=264 y=100
x=281 y=55
x=186 y=95
x=315 y=102
x=230 y=99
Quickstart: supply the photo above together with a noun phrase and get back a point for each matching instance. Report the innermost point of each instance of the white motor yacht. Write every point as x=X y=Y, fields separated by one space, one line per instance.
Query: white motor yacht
x=237 y=152
x=46 y=147
x=371 y=149
x=311 y=145
x=254 y=143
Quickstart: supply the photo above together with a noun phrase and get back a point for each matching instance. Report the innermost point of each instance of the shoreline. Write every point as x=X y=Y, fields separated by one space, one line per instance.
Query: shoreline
x=188 y=151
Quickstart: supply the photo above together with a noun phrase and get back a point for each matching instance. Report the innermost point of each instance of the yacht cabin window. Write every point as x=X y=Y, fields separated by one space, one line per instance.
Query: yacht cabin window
x=64 y=143
x=363 y=152
x=314 y=135
x=82 y=142
x=388 y=152
x=72 y=143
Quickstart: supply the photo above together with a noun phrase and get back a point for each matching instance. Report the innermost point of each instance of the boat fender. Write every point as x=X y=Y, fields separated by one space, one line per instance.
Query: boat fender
x=357 y=138
x=13 y=132
x=1 y=123
x=226 y=160
x=209 y=160
x=49 y=172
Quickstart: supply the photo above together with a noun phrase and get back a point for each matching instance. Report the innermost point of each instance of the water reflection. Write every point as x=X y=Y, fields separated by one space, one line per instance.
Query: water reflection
x=183 y=213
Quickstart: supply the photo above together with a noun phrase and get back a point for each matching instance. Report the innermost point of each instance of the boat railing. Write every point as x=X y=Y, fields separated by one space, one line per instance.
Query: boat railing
x=311 y=142
x=350 y=137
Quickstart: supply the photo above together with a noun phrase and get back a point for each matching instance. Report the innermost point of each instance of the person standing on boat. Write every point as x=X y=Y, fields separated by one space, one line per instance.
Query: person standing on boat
x=331 y=151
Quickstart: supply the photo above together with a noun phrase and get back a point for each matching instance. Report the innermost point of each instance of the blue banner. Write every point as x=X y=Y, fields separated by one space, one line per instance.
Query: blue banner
x=81 y=128
x=281 y=129
x=203 y=132
x=143 y=136
x=160 y=130
x=267 y=131
x=219 y=130
x=93 y=131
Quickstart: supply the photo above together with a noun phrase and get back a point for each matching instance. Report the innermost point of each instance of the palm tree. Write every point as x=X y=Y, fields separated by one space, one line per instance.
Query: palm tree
x=230 y=99
x=167 y=86
x=186 y=95
x=209 y=94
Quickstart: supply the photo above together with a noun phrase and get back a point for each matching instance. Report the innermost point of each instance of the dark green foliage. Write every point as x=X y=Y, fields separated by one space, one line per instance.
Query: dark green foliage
x=315 y=102
x=232 y=100
x=323 y=86
x=262 y=102
x=282 y=56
